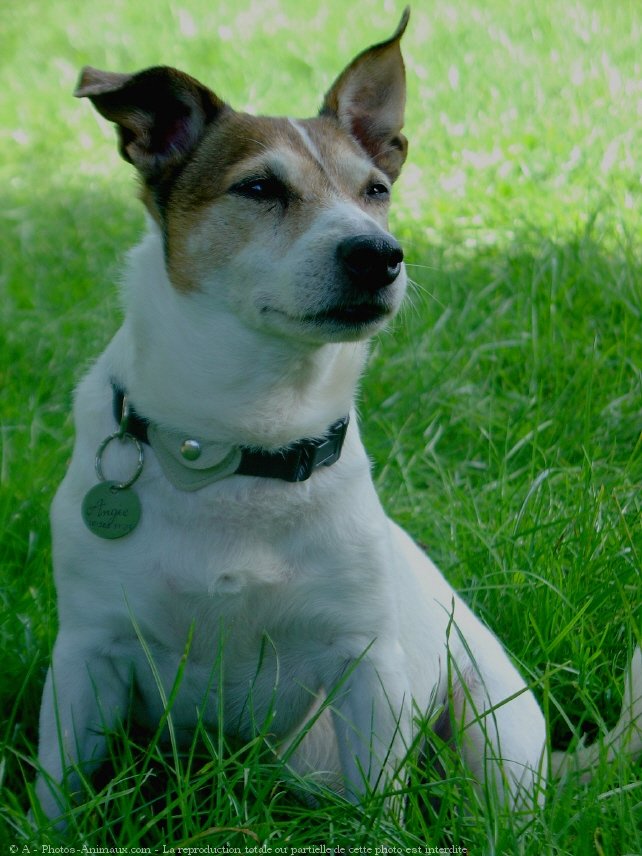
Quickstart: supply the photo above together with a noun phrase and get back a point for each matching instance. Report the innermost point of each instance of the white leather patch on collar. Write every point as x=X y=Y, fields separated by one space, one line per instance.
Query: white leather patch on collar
x=190 y=463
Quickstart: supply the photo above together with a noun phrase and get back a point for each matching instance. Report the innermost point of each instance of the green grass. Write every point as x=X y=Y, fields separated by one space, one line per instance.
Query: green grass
x=503 y=410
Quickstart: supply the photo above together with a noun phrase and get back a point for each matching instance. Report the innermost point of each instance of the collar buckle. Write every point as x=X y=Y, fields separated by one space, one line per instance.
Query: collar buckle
x=324 y=451
x=296 y=463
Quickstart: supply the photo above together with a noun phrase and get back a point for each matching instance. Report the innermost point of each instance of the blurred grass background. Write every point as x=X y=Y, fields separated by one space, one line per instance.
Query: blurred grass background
x=503 y=410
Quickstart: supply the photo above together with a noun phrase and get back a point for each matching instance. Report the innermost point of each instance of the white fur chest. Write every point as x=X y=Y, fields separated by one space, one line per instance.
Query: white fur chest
x=221 y=574
x=232 y=553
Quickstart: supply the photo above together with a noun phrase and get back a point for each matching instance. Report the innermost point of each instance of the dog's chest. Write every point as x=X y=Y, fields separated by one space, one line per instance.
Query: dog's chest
x=224 y=564
x=215 y=558
x=267 y=610
x=243 y=559
x=241 y=568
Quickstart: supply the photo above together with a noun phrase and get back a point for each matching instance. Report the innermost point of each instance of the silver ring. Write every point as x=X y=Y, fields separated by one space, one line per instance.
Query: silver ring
x=101 y=450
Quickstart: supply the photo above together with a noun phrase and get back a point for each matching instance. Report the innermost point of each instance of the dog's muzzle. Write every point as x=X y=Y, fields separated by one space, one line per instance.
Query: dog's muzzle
x=370 y=262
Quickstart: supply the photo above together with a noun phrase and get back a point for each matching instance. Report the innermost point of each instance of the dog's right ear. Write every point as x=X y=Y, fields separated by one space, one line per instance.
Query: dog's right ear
x=161 y=114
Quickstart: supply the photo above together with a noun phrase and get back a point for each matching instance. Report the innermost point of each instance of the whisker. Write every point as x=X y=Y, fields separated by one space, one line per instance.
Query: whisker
x=423 y=267
x=418 y=288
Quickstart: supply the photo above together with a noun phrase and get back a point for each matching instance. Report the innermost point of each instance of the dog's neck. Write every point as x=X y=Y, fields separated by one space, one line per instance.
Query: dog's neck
x=191 y=369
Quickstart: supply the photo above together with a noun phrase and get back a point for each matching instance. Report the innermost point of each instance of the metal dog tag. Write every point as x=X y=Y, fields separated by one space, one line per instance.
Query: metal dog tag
x=111 y=511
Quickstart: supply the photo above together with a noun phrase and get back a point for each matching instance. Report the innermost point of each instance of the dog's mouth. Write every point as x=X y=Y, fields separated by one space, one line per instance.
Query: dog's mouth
x=342 y=321
x=351 y=315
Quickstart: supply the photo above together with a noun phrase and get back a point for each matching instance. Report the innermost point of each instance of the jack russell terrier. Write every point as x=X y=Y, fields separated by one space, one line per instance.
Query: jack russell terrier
x=218 y=521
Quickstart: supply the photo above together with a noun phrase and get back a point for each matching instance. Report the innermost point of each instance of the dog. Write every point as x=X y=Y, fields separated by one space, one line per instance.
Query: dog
x=218 y=519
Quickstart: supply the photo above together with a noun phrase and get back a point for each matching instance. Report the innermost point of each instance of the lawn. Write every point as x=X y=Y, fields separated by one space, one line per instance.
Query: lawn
x=502 y=410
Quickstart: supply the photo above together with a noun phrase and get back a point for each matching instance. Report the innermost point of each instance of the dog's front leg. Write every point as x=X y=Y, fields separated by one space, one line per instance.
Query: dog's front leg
x=85 y=694
x=372 y=720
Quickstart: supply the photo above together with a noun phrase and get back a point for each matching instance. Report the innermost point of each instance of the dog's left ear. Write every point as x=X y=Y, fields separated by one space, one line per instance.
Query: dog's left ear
x=368 y=100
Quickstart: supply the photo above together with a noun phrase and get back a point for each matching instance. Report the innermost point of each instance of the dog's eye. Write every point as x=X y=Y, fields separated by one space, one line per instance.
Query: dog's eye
x=377 y=191
x=267 y=189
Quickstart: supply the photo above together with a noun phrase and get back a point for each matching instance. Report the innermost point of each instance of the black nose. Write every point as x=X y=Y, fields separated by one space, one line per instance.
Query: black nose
x=371 y=262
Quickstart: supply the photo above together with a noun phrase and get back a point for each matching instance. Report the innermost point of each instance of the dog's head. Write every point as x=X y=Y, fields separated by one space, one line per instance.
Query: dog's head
x=281 y=221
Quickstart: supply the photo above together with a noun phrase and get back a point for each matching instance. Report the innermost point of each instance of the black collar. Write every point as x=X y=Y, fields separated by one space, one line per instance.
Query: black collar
x=293 y=463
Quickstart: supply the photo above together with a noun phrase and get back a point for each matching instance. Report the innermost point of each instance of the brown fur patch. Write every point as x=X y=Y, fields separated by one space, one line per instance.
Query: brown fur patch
x=205 y=223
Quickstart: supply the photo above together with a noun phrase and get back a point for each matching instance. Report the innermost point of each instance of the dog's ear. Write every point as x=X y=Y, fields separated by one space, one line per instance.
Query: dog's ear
x=368 y=100
x=161 y=113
